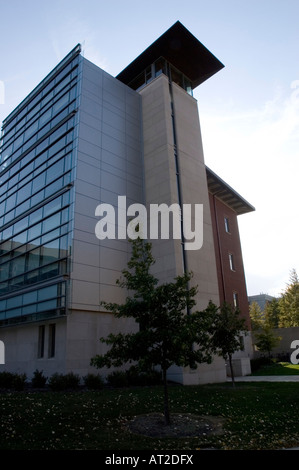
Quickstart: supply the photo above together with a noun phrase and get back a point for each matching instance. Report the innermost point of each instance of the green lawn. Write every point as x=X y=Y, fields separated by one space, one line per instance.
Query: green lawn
x=257 y=416
x=280 y=368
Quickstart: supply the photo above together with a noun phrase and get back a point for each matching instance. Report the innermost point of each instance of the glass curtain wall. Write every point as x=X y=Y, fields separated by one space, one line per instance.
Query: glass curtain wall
x=36 y=175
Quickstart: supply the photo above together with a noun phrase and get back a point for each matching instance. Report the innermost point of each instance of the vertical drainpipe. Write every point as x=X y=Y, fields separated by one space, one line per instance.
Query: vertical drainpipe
x=177 y=168
x=219 y=247
x=178 y=177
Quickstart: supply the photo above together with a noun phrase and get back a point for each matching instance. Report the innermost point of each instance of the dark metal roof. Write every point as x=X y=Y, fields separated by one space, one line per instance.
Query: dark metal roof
x=226 y=194
x=179 y=47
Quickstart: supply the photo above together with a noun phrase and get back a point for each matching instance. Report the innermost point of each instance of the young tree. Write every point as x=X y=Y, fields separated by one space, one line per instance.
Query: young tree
x=266 y=340
x=167 y=333
x=227 y=333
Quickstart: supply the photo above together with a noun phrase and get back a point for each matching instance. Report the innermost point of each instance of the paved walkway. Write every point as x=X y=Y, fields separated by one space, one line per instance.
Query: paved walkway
x=267 y=378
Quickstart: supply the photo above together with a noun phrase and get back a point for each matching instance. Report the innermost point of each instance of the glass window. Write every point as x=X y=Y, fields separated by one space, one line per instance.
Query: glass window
x=11 y=202
x=5 y=247
x=50 y=252
x=51 y=223
x=20 y=238
x=30 y=297
x=47 y=293
x=61 y=103
x=22 y=208
x=17 y=312
x=38 y=183
x=32 y=277
x=8 y=217
x=4 y=271
x=41 y=341
x=37 y=198
x=55 y=171
x=7 y=233
x=18 y=250
x=236 y=299
x=24 y=193
x=50 y=235
x=18 y=266
x=231 y=262
x=33 y=259
x=31 y=130
x=160 y=66
x=29 y=310
x=45 y=117
x=13 y=180
x=14 y=302
x=63 y=246
x=53 y=206
x=49 y=271
x=54 y=187
x=21 y=225
x=35 y=216
x=35 y=231
x=52 y=337
x=3 y=287
x=226 y=224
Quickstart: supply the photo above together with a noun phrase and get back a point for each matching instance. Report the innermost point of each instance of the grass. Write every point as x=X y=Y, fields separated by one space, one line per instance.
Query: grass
x=278 y=368
x=257 y=416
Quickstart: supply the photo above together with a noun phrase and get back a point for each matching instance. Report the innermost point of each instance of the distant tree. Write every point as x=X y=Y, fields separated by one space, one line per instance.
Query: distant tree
x=227 y=333
x=265 y=340
x=289 y=303
x=272 y=313
x=167 y=334
x=256 y=316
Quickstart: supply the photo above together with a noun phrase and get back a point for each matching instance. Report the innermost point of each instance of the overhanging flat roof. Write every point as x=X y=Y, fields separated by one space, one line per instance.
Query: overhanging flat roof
x=179 y=47
x=226 y=194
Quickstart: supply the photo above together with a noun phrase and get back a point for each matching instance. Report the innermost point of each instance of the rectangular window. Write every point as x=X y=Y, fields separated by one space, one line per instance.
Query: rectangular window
x=236 y=299
x=226 y=224
x=52 y=335
x=41 y=341
x=231 y=262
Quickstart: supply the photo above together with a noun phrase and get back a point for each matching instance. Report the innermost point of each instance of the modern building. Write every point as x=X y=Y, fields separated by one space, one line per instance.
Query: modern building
x=261 y=300
x=82 y=138
x=226 y=205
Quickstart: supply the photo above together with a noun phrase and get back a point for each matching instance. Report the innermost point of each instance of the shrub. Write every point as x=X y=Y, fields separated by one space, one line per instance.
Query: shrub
x=19 y=381
x=118 y=378
x=93 y=382
x=6 y=379
x=38 y=380
x=14 y=381
x=72 y=381
x=134 y=376
x=138 y=377
x=59 y=382
x=259 y=362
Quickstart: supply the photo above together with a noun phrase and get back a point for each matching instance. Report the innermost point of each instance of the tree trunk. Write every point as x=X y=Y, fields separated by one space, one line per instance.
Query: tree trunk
x=231 y=369
x=166 y=401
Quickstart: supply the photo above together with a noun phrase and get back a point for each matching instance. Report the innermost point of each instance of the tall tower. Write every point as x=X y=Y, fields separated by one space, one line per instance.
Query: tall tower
x=174 y=169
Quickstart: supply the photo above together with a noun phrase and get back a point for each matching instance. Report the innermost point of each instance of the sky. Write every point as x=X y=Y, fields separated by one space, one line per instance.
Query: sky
x=249 y=111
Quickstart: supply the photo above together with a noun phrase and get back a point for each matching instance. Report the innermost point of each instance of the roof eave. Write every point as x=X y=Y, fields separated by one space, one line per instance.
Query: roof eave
x=180 y=48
